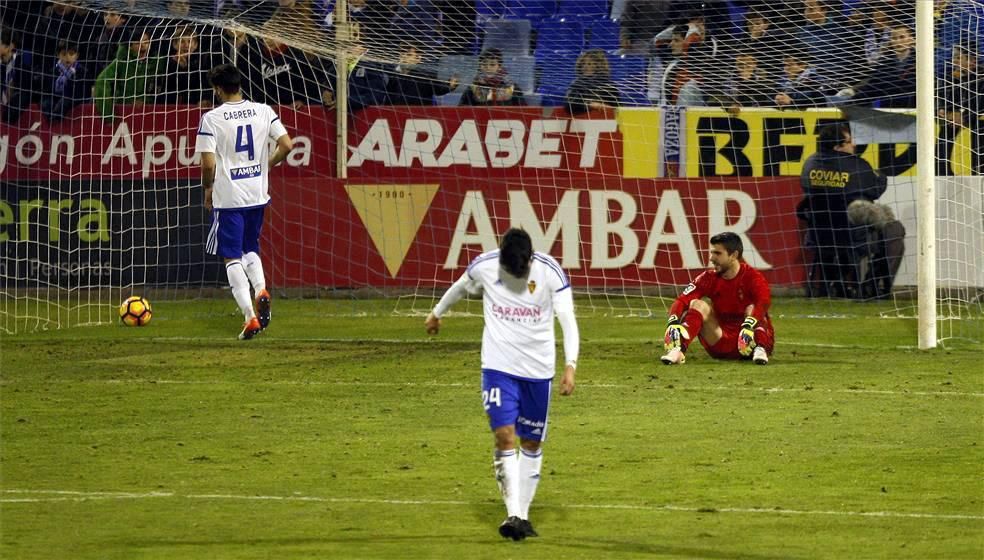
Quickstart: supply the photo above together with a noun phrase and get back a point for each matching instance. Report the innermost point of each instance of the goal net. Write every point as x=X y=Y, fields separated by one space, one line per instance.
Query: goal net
x=621 y=134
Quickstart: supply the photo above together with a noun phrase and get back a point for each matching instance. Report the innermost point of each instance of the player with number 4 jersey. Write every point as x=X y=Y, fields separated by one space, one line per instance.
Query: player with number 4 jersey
x=232 y=141
x=735 y=324
x=522 y=291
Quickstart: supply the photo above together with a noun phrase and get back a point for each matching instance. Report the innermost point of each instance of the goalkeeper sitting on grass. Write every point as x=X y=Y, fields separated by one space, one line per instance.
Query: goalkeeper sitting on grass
x=735 y=324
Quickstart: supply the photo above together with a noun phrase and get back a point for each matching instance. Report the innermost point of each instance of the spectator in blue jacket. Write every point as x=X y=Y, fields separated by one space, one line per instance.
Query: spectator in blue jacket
x=893 y=81
x=800 y=86
x=66 y=84
x=16 y=79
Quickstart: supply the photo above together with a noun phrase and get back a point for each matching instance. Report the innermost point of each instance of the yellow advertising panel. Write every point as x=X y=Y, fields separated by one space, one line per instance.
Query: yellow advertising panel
x=641 y=135
x=770 y=143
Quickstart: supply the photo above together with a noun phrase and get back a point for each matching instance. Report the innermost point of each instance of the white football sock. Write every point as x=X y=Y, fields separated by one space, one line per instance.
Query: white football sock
x=254 y=270
x=240 y=287
x=529 y=476
x=507 y=476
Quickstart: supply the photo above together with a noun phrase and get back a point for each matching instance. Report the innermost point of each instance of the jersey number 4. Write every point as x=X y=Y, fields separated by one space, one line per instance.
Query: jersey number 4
x=244 y=140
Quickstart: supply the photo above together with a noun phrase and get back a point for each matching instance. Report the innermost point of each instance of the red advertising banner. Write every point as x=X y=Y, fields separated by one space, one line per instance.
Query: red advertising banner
x=150 y=142
x=544 y=144
x=429 y=188
x=623 y=233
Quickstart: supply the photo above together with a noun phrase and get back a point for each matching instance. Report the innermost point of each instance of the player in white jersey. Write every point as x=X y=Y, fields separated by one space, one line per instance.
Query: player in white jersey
x=521 y=292
x=232 y=141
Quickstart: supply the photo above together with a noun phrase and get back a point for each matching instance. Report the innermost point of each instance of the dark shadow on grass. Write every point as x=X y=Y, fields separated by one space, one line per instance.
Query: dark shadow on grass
x=581 y=547
x=562 y=544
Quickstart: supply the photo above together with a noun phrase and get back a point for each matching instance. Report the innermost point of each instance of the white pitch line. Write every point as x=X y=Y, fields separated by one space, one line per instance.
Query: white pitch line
x=428 y=384
x=420 y=341
x=838 y=391
x=68 y=495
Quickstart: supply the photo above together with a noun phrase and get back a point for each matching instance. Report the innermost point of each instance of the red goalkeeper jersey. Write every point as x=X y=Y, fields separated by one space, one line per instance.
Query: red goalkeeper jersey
x=730 y=298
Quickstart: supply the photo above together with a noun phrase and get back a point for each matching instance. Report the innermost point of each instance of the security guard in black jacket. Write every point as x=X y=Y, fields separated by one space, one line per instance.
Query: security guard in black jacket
x=845 y=228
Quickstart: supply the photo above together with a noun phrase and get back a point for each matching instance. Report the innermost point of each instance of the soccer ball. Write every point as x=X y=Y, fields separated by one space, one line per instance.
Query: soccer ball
x=135 y=311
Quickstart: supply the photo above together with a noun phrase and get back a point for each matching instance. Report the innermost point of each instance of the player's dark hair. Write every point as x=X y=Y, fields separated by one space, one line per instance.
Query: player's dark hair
x=831 y=136
x=516 y=252
x=730 y=241
x=225 y=77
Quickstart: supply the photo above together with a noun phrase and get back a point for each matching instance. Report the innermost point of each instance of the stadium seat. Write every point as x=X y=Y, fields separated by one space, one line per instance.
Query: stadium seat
x=489 y=9
x=583 y=8
x=533 y=10
x=511 y=36
x=559 y=34
x=556 y=72
x=630 y=74
x=603 y=34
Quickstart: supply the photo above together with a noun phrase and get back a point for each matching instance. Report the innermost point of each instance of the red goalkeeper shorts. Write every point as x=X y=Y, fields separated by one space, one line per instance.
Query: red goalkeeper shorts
x=727 y=347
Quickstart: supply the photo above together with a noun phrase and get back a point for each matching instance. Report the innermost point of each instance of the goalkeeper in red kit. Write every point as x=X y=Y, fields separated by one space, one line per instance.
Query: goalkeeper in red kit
x=735 y=324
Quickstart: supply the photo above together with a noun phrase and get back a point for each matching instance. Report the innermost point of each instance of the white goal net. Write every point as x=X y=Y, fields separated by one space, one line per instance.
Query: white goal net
x=621 y=134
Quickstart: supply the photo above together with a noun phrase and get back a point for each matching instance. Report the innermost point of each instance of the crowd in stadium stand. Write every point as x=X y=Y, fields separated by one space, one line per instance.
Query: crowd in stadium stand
x=580 y=54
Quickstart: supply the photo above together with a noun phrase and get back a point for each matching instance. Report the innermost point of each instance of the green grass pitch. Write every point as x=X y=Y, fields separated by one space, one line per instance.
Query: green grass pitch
x=355 y=435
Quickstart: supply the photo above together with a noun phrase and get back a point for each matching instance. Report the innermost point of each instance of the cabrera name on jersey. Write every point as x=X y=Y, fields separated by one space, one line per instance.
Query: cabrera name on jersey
x=237 y=134
x=518 y=338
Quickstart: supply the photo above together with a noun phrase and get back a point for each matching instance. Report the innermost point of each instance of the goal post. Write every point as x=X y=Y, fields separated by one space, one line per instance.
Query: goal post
x=926 y=187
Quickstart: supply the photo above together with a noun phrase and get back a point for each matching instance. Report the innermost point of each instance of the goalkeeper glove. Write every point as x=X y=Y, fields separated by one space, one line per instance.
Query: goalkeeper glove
x=676 y=334
x=746 y=338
